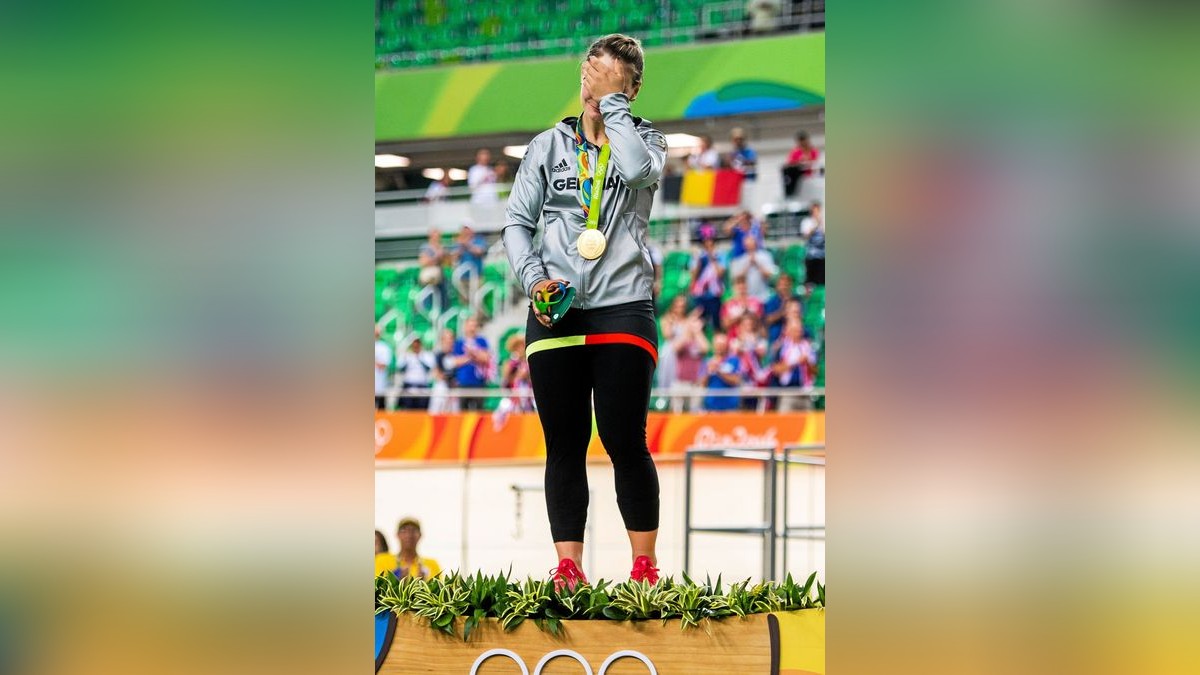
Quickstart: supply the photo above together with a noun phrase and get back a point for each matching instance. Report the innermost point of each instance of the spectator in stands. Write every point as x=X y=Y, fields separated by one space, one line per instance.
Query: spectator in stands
x=468 y=253
x=741 y=303
x=438 y=190
x=742 y=159
x=445 y=369
x=723 y=371
x=708 y=280
x=516 y=374
x=756 y=265
x=656 y=259
x=481 y=178
x=740 y=224
x=705 y=157
x=750 y=345
x=793 y=364
x=670 y=324
x=432 y=257
x=383 y=361
x=800 y=163
x=762 y=16
x=474 y=362
x=416 y=373
x=684 y=346
x=381 y=544
x=785 y=290
x=793 y=310
x=503 y=179
x=812 y=231
x=408 y=562
x=690 y=346
x=804 y=154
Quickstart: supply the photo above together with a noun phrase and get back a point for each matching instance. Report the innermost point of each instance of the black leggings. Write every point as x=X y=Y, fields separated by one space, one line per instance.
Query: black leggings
x=566 y=381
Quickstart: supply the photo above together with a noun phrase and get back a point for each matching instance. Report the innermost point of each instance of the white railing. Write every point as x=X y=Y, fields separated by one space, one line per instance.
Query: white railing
x=676 y=398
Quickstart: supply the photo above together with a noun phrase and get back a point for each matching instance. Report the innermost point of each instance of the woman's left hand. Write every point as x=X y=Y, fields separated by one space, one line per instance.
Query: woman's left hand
x=602 y=79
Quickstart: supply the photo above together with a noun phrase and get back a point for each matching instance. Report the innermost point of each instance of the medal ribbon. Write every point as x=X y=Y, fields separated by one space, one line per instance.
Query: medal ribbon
x=590 y=190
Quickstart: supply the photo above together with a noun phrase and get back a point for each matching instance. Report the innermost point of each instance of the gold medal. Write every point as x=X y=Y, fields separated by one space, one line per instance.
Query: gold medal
x=591 y=244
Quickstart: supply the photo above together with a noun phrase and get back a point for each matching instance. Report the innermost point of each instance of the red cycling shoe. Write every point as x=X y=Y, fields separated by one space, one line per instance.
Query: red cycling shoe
x=568 y=575
x=644 y=570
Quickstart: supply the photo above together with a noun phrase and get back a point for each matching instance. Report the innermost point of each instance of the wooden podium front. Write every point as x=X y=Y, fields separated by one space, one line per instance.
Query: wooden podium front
x=784 y=643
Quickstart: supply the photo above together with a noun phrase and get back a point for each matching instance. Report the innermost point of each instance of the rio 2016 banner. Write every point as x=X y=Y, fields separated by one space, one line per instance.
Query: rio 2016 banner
x=464 y=437
x=724 y=78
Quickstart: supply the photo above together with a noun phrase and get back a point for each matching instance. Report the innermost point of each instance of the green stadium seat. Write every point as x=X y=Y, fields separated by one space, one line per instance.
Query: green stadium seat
x=435 y=25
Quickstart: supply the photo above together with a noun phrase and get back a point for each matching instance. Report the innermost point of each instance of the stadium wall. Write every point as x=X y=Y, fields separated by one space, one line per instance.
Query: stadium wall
x=725 y=78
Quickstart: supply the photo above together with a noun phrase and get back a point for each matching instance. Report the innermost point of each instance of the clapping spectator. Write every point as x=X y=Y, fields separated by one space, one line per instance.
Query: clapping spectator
x=774 y=309
x=741 y=303
x=670 y=324
x=812 y=231
x=751 y=348
x=515 y=375
x=793 y=310
x=468 y=253
x=740 y=224
x=474 y=362
x=431 y=258
x=756 y=265
x=416 y=368
x=383 y=361
x=708 y=281
x=689 y=345
x=743 y=159
x=445 y=370
x=793 y=363
x=722 y=371
x=705 y=157
x=481 y=178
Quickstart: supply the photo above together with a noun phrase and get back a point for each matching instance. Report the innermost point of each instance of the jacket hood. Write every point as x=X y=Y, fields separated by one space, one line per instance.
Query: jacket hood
x=567 y=124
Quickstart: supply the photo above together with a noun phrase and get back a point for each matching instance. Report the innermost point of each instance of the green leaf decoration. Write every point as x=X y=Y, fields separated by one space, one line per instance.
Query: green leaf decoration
x=478 y=596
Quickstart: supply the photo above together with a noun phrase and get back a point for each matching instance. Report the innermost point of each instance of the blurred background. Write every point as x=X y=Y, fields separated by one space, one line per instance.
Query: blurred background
x=738 y=88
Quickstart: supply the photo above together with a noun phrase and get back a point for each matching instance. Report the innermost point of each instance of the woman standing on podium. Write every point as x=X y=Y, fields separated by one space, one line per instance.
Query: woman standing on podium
x=591 y=180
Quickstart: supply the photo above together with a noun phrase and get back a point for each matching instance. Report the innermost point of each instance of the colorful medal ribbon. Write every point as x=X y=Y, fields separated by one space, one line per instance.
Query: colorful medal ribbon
x=589 y=198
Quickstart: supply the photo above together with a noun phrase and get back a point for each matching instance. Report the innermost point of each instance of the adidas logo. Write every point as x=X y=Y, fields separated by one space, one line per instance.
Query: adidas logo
x=561 y=167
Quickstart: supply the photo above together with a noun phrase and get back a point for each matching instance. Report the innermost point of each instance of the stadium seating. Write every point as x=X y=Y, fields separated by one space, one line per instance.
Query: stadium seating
x=424 y=33
x=396 y=292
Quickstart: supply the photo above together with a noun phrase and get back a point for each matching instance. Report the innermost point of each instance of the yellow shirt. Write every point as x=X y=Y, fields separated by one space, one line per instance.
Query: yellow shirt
x=425 y=568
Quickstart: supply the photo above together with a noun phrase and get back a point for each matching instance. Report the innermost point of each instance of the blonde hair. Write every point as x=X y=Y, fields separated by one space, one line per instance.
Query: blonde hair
x=627 y=50
x=513 y=341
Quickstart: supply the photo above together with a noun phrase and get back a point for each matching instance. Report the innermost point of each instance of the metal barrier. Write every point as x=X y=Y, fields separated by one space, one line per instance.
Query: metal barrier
x=765 y=529
x=770 y=528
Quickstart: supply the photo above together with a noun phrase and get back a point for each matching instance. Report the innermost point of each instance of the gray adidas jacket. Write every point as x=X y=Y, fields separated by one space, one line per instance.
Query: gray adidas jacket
x=546 y=188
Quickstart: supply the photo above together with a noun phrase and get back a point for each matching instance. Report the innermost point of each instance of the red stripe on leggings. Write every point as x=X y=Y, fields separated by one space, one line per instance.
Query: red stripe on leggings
x=623 y=339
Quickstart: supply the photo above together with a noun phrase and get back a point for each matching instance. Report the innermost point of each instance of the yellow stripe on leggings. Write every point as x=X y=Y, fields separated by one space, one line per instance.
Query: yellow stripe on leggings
x=555 y=343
